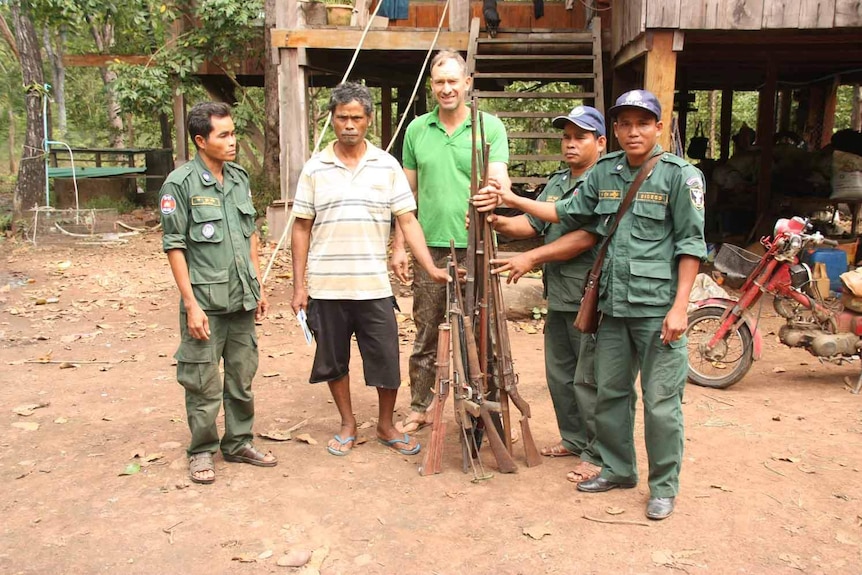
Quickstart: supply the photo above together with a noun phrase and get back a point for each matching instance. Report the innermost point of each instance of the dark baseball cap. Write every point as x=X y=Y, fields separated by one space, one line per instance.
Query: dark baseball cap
x=637 y=99
x=585 y=117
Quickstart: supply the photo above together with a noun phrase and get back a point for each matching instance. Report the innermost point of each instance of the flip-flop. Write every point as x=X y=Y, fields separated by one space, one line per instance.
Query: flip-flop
x=405 y=440
x=411 y=425
x=342 y=442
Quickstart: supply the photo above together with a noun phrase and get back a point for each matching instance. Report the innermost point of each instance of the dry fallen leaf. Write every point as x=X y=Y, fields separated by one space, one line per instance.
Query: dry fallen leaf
x=615 y=510
x=537 y=531
x=778 y=369
x=68 y=365
x=265 y=555
x=245 y=558
x=722 y=488
x=306 y=438
x=788 y=458
x=271 y=374
x=27 y=410
x=275 y=435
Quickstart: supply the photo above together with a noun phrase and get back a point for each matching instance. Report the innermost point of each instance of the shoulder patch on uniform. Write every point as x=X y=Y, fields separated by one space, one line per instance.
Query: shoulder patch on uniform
x=610 y=194
x=673 y=159
x=168 y=204
x=697 y=196
x=205 y=201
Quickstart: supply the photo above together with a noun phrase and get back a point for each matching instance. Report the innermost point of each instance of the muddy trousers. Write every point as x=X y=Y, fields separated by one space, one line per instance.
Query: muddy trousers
x=429 y=309
x=571 y=382
x=232 y=337
x=625 y=345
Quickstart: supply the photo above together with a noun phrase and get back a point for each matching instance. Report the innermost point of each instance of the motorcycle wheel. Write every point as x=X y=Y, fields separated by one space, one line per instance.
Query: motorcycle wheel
x=728 y=361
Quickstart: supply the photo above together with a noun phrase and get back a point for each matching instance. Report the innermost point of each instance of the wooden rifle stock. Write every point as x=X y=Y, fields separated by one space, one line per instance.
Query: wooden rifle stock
x=433 y=461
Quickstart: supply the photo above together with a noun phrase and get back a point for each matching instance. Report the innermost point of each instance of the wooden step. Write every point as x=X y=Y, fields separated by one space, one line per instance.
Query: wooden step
x=527 y=76
x=535 y=95
x=536 y=135
x=561 y=38
x=533 y=57
x=511 y=114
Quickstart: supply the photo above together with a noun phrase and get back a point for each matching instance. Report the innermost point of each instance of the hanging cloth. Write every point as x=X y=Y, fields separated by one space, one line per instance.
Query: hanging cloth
x=394 y=9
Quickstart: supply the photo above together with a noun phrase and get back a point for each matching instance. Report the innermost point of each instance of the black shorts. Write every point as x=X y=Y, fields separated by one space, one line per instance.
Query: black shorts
x=333 y=322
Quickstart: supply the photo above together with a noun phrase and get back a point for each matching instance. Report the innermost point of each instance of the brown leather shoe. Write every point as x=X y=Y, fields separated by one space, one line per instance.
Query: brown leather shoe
x=248 y=454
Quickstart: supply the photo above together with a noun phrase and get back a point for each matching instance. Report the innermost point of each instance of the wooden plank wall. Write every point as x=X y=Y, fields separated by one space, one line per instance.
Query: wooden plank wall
x=512 y=15
x=632 y=17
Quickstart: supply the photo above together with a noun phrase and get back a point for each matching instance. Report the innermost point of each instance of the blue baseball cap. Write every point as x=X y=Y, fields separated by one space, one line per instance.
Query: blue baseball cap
x=585 y=117
x=637 y=99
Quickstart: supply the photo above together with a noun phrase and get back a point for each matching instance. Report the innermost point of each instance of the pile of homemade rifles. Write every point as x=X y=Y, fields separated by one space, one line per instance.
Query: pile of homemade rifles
x=474 y=358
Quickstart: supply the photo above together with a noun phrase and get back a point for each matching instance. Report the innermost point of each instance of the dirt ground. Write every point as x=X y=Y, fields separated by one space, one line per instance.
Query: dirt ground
x=771 y=480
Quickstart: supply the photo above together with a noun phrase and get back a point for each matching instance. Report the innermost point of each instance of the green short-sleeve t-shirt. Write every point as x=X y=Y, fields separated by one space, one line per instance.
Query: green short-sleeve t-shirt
x=442 y=165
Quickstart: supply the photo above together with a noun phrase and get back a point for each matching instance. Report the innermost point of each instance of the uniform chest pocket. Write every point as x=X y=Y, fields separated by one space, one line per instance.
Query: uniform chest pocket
x=246 y=218
x=207 y=224
x=606 y=210
x=650 y=220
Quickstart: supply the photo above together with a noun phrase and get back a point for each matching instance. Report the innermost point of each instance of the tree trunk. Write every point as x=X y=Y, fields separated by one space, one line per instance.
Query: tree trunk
x=104 y=37
x=712 y=99
x=55 y=48
x=271 y=148
x=31 y=175
x=856 y=112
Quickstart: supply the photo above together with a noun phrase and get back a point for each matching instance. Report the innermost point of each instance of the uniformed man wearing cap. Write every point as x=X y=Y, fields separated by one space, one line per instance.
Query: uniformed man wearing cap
x=567 y=259
x=651 y=264
x=211 y=243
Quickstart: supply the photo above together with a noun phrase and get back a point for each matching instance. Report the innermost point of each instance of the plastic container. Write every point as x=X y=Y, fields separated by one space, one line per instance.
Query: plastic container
x=836 y=264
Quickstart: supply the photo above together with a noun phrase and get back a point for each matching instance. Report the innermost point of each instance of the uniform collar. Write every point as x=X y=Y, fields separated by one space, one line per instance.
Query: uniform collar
x=621 y=166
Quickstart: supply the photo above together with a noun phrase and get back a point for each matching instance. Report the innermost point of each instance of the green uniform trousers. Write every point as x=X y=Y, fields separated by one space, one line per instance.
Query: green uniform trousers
x=569 y=358
x=623 y=346
x=232 y=337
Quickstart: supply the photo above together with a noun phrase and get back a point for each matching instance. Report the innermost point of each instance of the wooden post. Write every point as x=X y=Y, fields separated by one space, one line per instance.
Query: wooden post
x=765 y=136
x=829 y=112
x=385 y=115
x=785 y=96
x=660 y=78
x=293 y=125
x=459 y=15
x=726 y=118
x=179 y=105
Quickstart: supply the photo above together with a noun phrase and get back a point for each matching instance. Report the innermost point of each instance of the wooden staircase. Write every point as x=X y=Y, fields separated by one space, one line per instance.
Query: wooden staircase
x=527 y=78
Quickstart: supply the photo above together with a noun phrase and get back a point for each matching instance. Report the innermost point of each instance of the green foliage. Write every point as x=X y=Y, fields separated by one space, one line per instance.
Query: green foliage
x=122 y=205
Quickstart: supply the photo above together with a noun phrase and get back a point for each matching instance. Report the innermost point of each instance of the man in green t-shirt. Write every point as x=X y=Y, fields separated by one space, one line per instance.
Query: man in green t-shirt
x=436 y=159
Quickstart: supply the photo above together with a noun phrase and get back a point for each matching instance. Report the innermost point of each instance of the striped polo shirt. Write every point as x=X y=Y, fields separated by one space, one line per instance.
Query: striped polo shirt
x=352 y=212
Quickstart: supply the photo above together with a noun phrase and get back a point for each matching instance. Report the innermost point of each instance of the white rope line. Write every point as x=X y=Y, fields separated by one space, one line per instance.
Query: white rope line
x=287 y=228
x=419 y=79
x=349 y=69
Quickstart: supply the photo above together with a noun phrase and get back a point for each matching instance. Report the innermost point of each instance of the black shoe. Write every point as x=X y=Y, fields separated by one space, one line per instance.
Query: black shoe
x=659 y=507
x=600 y=484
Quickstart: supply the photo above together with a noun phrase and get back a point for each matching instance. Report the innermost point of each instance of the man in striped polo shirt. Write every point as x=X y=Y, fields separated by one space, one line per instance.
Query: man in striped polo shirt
x=345 y=199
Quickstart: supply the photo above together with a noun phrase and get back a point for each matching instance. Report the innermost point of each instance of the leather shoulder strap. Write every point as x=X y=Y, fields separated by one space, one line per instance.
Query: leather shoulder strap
x=645 y=171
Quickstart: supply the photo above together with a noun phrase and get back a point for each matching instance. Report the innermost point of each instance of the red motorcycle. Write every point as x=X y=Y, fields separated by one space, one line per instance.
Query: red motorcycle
x=723 y=334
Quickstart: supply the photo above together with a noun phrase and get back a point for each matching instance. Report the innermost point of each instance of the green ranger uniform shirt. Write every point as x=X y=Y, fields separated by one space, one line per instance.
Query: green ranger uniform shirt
x=664 y=221
x=442 y=164
x=213 y=224
x=564 y=281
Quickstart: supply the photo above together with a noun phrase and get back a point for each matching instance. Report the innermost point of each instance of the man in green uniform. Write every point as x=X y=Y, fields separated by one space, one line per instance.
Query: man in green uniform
x=567 y=259
x=211 y=243
x=436 y=159
x=651 y=264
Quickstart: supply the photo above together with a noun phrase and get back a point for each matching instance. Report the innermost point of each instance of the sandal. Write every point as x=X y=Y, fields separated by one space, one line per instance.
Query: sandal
x=558 y=450
x=583 y=471
x=248 y=454
x=198 y=463
x=413 y=423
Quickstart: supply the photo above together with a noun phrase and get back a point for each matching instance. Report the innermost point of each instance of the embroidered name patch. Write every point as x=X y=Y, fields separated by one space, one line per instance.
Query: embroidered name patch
x=552 y=198
x=168 y=204
x=652 y=197
x=205 y=201
x=610 y=194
